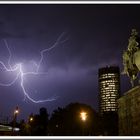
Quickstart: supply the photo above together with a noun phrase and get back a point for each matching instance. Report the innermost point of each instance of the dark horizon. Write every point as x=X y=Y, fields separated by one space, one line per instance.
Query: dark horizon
x=94 y=36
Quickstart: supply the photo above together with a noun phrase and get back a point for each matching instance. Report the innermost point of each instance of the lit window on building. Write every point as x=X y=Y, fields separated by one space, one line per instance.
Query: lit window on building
x=109 y=87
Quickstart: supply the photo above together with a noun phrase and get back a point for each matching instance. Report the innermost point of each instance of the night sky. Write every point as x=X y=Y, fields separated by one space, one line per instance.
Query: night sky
x=94 y=36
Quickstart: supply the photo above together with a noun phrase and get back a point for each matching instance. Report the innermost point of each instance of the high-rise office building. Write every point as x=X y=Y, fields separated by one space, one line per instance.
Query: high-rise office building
x=109 y=88
x=109 y=92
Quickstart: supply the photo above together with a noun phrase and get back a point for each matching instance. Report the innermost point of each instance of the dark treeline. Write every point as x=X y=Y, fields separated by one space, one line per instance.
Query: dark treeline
x=75 y=119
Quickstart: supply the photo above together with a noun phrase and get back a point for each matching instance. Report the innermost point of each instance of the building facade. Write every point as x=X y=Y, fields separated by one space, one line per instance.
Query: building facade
x=129 y=113
x=109 y=92
x=109 y=89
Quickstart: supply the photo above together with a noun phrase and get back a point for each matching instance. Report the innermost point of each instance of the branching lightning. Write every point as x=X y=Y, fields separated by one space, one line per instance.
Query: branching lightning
x=21 y=74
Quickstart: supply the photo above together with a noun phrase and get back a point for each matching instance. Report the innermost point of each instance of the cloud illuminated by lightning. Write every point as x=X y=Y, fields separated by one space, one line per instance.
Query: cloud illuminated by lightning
x=21 y=74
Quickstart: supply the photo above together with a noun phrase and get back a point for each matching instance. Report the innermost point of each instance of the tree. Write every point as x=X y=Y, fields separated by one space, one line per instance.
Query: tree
x=39 y=123
x=24 y=128
x=43 y=120
x=67 y=121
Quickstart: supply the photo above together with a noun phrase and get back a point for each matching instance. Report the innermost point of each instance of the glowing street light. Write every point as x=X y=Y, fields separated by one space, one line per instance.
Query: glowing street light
x=31 y=119
x=83 y=116
x=16 y=112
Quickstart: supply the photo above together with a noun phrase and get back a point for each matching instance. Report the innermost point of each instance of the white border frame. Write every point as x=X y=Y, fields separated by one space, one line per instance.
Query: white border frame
x=70 y=137
x=69 y=2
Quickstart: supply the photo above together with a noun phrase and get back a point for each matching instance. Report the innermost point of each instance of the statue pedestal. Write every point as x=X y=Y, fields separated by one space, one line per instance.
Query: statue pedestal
x=129 y=113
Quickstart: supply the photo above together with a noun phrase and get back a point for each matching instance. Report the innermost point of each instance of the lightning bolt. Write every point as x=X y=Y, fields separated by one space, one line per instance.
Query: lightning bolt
x=21 y=74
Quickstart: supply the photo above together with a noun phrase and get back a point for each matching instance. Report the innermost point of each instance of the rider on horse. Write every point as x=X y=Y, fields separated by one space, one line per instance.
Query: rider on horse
x=130 y=67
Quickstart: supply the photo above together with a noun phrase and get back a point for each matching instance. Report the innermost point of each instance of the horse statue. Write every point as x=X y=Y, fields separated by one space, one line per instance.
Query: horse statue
x=131 y=58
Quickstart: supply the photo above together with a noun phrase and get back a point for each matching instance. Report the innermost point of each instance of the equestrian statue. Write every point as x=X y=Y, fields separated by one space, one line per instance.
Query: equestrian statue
x=131 y=57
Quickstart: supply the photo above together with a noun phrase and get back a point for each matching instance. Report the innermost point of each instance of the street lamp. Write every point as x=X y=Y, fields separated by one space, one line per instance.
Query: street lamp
x=31 y=119
x=16 y=112
x=83 y=116
x=30 y=123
